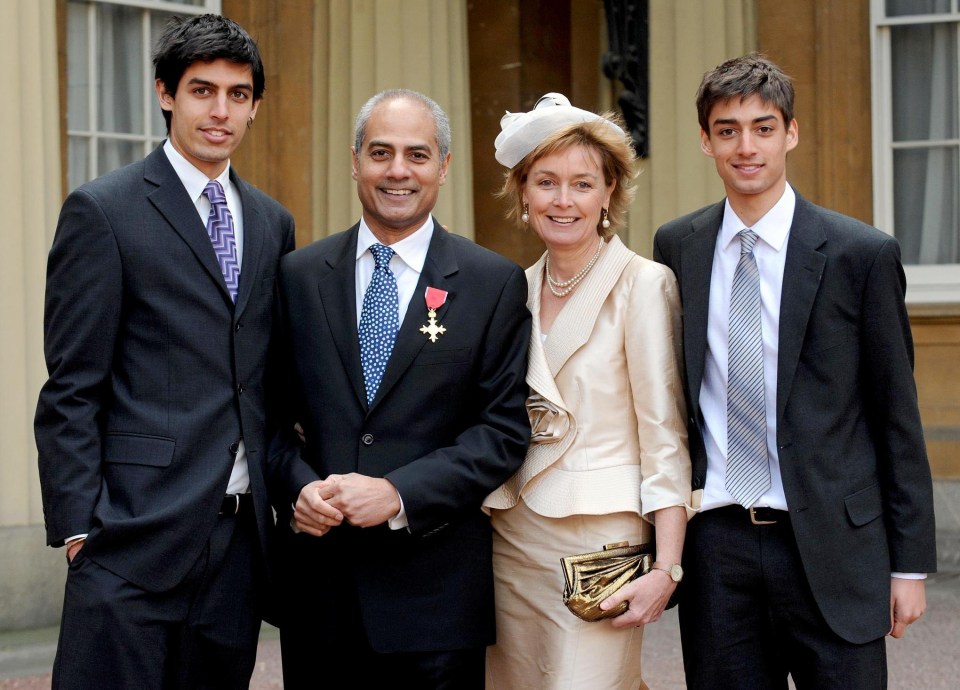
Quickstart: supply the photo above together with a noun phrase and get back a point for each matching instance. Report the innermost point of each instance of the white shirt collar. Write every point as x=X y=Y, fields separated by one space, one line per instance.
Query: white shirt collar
x=773 y=228
x=412 y=250
x=193 y=180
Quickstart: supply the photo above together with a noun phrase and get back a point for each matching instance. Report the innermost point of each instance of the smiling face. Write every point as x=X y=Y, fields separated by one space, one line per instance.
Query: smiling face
x=566 y=192
x=210 y=110
x=749 y=140
x=398 y=169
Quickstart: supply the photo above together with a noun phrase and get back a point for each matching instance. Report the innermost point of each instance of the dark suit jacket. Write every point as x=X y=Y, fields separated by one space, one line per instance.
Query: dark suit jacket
x=448 y=426
x=849 y=438
x=154 y=375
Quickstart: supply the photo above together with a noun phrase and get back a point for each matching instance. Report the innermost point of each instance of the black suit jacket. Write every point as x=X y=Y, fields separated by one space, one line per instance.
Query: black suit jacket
x=849 y=438
x=154 y=374
x=448 y=425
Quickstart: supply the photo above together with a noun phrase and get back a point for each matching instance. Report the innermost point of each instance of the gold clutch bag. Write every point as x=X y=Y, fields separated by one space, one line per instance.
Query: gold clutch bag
x=589 y=578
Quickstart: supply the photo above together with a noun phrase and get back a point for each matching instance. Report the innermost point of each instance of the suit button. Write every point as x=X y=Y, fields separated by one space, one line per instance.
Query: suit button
x=236 y=328
x=367 y=439
x=234 y=447
x=240 y=389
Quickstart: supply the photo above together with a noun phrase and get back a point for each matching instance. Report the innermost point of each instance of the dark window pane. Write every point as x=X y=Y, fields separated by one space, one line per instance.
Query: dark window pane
x=926 y=217
x=902 y=8
x=924 y=82
x=120 y=61
x=113 y=154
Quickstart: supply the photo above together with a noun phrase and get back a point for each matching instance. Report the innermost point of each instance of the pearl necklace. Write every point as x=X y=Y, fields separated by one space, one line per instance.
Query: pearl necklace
x=565 y=287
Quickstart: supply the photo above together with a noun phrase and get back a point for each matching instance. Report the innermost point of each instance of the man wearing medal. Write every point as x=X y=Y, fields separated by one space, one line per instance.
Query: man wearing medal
x=405 y=350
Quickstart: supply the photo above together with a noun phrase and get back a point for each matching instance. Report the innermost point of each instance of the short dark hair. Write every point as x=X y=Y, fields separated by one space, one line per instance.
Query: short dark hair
x=742 y=77
x=203 y=38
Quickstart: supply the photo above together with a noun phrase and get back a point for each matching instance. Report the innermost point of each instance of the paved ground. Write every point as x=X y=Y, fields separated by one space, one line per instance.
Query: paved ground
x=927 y=658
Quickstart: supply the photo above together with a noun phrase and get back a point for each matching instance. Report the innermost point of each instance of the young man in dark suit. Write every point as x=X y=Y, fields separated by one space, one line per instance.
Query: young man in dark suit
x=816 y=523
x=150 y=428
x=408 y=353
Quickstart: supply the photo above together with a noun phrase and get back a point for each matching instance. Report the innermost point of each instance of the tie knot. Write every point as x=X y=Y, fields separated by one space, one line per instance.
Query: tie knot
x=748 y=238
x=381 y=255
x=214 y=192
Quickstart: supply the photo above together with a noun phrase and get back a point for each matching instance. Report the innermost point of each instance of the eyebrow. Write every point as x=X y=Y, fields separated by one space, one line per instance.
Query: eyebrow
x=387 y=145
x=735 y=121
x=205 y=82
x=547 y=171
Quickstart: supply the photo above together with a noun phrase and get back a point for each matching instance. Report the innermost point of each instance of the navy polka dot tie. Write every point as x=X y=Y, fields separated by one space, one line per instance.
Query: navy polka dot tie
x=379 y=320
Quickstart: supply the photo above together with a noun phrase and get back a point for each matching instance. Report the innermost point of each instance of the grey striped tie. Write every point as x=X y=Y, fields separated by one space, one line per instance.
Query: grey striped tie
x=748 y=472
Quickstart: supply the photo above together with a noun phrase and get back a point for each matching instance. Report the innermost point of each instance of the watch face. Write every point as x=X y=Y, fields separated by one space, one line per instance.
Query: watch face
x=676 y=572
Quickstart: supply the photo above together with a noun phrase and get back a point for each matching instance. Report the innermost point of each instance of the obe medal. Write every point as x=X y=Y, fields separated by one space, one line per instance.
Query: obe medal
x=435 y=299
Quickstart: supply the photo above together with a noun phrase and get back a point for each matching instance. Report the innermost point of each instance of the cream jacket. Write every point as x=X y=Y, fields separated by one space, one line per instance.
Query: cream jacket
x=606 y=403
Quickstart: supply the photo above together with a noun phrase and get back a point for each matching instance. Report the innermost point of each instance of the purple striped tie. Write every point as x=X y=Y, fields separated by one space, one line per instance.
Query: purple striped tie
x=220 y=229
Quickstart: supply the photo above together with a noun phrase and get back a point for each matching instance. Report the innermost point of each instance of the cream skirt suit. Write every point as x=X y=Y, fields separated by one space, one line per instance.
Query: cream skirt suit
x=608 y=448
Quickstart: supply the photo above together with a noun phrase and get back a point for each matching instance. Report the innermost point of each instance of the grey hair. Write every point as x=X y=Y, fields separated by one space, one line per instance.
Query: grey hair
x=440 y=118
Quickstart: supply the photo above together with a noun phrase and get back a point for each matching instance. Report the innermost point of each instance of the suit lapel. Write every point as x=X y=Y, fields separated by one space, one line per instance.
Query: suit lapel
x=694 y=271
x=574 y=323
x=539 y=376
x=801 y=281
x=253 y=233
x=441 y=263
x=171 y=200
x=337 y=288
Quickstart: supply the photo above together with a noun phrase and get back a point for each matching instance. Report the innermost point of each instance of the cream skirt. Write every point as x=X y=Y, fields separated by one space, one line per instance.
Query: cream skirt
x=540 y=644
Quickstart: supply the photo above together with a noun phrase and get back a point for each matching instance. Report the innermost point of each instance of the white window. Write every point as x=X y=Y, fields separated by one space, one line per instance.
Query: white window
x=916 y=134
x=112 y=113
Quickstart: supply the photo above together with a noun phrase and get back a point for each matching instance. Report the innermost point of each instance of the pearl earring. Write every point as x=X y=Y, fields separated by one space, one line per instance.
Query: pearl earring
x=605 y=223
x=525 y=216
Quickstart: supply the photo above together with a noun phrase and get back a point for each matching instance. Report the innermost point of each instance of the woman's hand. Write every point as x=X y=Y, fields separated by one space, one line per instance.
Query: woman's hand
x=646 y=597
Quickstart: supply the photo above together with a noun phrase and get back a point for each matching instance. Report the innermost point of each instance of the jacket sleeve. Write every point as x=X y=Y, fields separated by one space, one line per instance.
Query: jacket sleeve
x=653 y=344
x=81 y=321
x=457 y=477
x=891 y=395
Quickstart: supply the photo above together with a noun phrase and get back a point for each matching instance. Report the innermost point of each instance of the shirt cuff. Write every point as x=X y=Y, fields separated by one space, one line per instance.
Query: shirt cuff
x=76 y=537
x=399 y=521
x=910 y=576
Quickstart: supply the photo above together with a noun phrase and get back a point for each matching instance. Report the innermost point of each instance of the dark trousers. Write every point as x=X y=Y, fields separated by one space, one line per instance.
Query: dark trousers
x=748 y=617
x=323 y=644
x=201 y=634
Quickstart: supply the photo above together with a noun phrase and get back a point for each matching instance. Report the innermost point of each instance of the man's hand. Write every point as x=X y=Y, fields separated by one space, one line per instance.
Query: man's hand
x=364 y=501
x=908 y=600
x=647 y=597
x=73 y=548
x=312 y=514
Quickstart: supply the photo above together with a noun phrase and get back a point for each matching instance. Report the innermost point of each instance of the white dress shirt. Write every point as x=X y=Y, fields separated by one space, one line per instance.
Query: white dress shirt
x=770 y=252
x=194 y=182
x=406 y=265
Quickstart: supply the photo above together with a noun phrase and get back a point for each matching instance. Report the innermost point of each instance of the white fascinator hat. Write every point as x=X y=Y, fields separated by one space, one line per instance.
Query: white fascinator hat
x=521 y=133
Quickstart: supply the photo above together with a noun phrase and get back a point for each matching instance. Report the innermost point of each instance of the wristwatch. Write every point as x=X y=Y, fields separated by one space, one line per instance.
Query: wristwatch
x=672 y=569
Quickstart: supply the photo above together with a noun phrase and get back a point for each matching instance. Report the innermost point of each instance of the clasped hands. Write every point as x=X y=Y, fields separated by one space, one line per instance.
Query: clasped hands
x=359 y=500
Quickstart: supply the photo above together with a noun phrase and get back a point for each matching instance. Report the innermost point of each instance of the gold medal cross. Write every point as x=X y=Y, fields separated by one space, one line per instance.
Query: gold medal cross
x=433 y=330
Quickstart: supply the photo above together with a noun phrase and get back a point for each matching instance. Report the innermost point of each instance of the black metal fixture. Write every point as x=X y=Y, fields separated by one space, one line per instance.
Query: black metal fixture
x=628 y=62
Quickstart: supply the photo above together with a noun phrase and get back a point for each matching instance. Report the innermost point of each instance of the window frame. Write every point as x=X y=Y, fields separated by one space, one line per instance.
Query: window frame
x=926 y=284
x=146 y=138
